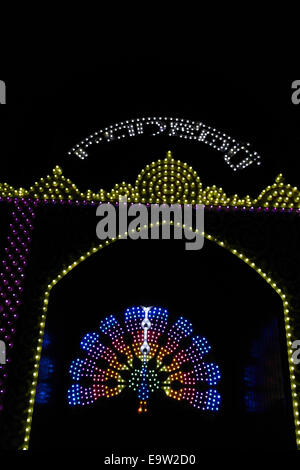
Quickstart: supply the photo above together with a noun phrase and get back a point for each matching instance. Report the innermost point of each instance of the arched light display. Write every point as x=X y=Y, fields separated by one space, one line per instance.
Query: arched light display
x=116 y=360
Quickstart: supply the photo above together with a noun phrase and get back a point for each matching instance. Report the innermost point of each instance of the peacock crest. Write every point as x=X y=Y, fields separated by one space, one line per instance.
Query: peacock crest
x=143 y=352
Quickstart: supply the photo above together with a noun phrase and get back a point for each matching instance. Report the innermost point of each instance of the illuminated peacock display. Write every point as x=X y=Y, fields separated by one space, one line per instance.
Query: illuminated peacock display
x=143 y=352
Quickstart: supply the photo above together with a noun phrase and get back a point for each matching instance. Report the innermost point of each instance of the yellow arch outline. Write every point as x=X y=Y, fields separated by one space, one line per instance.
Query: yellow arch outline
x=64 y=272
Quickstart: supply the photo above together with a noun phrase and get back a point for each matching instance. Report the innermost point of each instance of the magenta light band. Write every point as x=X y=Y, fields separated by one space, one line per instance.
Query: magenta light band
x=14 y=262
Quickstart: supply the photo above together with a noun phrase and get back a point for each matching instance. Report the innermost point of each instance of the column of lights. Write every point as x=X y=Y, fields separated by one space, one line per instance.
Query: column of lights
x=87 y=368
x=113 y=329
x=92 y=345
x=133 y=318
x=268 y=279
x=191 y=354
x=180 y=358
x=206 y=372
x=208 y=400
x=64 y=195
x=159 y=324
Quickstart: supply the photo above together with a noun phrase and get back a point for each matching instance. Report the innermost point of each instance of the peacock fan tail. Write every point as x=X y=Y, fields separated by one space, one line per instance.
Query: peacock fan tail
x=144 y=353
